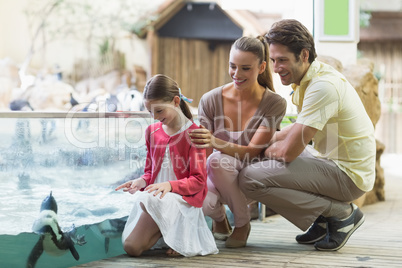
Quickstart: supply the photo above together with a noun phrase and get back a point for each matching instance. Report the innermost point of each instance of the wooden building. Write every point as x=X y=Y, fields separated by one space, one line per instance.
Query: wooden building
x=381 y=42
x=190 y=41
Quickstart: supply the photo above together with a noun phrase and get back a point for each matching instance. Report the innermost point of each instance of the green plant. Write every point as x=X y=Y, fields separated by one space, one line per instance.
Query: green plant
x=365 y=17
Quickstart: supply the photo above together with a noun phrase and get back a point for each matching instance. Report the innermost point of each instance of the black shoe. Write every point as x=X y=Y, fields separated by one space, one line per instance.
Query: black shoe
x=316 y=232
x=339 y=231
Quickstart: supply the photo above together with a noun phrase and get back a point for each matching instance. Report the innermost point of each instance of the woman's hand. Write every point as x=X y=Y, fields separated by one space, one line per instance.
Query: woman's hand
x=132 y=186
x=202 y=138
x=163 y=187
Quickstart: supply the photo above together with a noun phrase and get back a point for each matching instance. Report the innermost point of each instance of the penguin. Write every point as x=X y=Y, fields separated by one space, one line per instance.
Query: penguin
x=112 y=103
x=73 y=101
x=52 y=240
x=111 y=229
x=20 y=105
x=23 y=181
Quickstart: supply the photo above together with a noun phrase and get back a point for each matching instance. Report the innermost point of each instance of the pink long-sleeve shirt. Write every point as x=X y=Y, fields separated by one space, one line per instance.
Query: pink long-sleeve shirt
x=189 y=163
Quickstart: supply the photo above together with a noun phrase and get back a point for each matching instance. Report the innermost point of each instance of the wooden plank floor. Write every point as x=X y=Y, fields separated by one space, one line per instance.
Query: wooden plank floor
x=377 y=243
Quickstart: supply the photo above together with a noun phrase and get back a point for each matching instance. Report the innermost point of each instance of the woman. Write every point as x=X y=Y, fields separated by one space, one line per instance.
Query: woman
x=238 y=121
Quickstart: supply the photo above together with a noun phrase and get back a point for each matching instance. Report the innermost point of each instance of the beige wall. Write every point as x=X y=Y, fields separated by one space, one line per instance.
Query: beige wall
x=15 y=35
x=15 y=42
x=377 y=5
x=13 y=30
x=304 y=11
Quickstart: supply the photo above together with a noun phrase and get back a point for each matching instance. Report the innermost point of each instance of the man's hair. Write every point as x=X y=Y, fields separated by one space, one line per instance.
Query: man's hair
x=294 y=35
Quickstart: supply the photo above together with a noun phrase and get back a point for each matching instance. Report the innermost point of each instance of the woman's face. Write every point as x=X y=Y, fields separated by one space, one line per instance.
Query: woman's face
x=244 y=68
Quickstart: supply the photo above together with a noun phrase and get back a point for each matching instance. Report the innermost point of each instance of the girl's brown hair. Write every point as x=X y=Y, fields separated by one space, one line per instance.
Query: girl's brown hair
x=162 y=87
x=259 y=47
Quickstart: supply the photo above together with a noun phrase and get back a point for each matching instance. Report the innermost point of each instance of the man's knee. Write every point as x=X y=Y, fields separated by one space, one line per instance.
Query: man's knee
x=246 y=181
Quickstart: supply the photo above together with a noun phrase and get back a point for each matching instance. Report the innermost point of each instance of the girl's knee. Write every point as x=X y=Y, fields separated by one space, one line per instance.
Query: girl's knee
x=132 y=249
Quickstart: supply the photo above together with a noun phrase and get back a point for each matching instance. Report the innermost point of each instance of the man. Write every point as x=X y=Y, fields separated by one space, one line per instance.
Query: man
x=313 y=186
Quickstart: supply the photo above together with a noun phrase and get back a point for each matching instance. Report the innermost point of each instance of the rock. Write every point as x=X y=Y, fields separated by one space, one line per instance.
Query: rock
x=9 y=80
x=49 y=95
x=366 y=84
x=378 y=193
x=108 y=82
x=362 y=78
x=331 y=61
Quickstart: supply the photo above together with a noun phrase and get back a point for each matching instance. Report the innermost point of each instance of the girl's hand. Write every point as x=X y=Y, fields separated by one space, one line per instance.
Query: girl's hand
x=163 y=188
x=132 y=186
x=202 y=138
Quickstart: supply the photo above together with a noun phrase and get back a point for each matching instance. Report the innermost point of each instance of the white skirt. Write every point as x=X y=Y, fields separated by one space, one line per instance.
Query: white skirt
x=183 y=226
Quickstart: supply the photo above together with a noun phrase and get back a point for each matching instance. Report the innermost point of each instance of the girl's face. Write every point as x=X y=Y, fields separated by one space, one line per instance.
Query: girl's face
x=164 y=111
x=244 y=68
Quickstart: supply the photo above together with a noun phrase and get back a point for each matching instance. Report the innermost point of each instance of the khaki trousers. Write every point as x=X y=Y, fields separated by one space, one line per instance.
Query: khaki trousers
x=300 y=190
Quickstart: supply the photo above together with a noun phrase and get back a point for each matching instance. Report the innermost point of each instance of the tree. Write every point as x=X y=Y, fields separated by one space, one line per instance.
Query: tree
x=97 y=23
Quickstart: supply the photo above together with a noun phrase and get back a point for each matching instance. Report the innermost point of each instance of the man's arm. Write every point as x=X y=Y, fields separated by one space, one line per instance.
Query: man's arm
x=291 y=143
x=281 y=135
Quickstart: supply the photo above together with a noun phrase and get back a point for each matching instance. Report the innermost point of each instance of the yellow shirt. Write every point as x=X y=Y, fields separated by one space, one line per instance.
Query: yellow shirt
x=326 y=101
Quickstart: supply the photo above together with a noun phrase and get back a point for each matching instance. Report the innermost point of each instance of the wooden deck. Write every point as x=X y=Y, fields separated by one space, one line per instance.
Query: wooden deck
x=377 y=243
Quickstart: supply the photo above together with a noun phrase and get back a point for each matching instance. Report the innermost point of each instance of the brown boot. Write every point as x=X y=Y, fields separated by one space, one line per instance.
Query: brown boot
x=232 y=242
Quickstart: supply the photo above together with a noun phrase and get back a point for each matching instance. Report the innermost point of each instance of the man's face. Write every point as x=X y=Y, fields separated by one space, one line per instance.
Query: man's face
x=285 y=64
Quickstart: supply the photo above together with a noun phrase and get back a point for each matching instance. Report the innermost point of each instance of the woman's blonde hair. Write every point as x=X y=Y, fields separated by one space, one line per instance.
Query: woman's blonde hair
x=259 y=47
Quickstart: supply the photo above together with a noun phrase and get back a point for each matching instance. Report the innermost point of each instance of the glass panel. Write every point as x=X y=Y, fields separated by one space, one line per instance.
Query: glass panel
x=80 y=160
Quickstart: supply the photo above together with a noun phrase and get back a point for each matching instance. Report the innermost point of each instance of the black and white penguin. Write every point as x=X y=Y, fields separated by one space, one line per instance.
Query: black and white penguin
x=52 y=239
x=111 y=229
x=20 y=105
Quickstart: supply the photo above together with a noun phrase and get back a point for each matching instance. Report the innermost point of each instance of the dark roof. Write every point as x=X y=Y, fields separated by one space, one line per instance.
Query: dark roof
x=201 y=21
x=246 y=21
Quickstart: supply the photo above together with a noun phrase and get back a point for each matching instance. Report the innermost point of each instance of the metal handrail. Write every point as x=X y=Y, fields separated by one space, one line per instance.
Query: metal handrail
x=71 y=114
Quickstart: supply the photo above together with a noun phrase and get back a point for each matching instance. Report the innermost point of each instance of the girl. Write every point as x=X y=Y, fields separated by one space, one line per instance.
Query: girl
x=174 y=180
